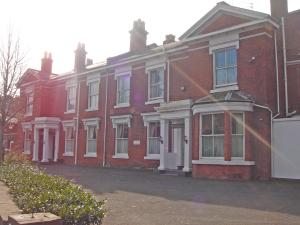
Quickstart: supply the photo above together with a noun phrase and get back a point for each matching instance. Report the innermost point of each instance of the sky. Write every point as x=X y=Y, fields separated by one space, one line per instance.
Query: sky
x=57 y=26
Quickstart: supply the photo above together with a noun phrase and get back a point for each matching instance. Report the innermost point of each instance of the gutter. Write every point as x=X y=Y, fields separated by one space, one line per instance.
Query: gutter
x=77 y=124
x=105 y=122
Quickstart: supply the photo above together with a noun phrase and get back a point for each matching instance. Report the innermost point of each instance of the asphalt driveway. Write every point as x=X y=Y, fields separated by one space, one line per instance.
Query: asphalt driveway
x=137 y=197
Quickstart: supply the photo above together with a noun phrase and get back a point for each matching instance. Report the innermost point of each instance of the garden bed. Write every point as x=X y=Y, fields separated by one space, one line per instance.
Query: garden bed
x=35 y=191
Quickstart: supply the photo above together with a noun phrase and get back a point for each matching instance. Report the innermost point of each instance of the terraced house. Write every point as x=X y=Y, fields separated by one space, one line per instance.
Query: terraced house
x=203 y=105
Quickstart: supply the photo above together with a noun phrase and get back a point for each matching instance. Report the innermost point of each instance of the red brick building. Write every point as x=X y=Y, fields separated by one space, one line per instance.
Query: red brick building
x=201 y=105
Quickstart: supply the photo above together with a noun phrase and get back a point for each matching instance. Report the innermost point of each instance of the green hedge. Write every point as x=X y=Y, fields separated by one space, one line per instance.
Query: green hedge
x=35 y=191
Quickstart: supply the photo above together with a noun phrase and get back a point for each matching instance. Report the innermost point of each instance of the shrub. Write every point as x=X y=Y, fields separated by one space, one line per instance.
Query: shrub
x=35 y=191
x=14 y=156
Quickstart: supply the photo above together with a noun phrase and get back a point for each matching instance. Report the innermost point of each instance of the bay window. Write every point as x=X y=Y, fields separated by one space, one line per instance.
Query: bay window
x=212 y=135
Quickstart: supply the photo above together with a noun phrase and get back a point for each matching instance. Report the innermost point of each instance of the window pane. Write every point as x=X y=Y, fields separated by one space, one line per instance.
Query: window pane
x=207 y=146
x=231 y=57
x=122 y=146
x=91 y=146
x=220 y=59
x=237 y=123
x=218 y=123
x=237 y=146
x=154 y=146
x=207 y=124
x=154 y=129
x=92 y=133
x=219 y=146
x=231 y=75
x=220 y=76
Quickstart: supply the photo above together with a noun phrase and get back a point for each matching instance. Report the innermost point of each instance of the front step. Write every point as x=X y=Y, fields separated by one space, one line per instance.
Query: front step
x=175 y=173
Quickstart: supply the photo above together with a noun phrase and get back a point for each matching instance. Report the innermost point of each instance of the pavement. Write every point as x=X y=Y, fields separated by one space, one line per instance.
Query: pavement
x=139 y=197
x=7 y=206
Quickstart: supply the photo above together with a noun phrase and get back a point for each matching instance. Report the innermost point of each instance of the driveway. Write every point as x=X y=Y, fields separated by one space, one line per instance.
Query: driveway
x=138 y=197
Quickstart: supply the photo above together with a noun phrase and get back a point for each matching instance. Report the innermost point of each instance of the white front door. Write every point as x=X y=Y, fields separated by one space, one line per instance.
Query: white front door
x=175 y=154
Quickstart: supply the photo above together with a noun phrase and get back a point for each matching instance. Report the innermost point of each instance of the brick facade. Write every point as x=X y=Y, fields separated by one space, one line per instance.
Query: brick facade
x=189 y=77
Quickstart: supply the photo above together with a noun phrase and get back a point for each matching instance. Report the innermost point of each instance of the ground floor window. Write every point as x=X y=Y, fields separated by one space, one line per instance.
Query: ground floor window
x=69 y=140
x=122 y=139
x=27 y=141
x=154 y=138
x=91 y=139
x=237 y=135
x=212 y=135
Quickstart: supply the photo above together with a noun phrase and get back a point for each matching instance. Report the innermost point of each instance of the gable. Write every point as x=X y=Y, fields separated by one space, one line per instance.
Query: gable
x=222 y=16
x=29 y=76
x=220 y=21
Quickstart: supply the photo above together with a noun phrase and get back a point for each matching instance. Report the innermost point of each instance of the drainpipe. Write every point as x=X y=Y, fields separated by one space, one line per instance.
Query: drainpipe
x=105 y=122
x=77 y=124
x=168 y=75
x=285 y=71
x=276 y=69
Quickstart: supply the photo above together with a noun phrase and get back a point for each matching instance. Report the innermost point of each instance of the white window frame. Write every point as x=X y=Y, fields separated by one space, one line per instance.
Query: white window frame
x=117 y=78
x=149 y=118
x=234 y=84
x=117 y=139
x=27 y=142
x=210 y=135
x=93 y=78
x=66 y=125
x=91 y=122
x=29 y=102
x=68 y=87
x=149 y=70
x=116 y=120
x=243 y=114
x=26 y=126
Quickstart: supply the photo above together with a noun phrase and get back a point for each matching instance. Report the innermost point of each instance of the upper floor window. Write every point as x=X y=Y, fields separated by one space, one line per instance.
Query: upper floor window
x=123 y=89
x=156 y=83
x=93 y=94
x=71 y=98
x=225 y=67
x=212 y=133
x=29 y=103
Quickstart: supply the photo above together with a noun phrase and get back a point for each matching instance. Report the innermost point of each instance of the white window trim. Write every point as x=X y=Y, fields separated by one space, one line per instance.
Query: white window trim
x=29 y=91
x=116 y=120
x=212 y=135
x=229 y=86
x=66 y=124
x=90 y=122
x=89 y=81
x=123 y=71
x=26 y=126
x=70 y=85
x=222 y=106
x=243 y=157
x=150 y=67
x=148 y=118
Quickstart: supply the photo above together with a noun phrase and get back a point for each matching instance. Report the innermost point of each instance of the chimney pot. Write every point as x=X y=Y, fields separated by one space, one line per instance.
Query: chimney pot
x=169 y=39
x=279 y=8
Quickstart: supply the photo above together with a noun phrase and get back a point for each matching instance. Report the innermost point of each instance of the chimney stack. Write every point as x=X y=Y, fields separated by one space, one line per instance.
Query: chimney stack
x=46 y=66
x=80 y=58
x=169 y=39
x=138 y=36
x=279 y=8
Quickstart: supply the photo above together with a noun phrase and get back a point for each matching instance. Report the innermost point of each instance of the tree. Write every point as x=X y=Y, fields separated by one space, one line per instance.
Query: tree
x=12 y=65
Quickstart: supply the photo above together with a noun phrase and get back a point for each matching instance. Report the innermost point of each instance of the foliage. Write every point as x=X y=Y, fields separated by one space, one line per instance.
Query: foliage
x=13 y=156
x=35 y=191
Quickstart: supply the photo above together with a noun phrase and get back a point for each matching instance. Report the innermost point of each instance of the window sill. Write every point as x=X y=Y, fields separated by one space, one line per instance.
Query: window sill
x=91 y=109
x=152 y=157
x=68 y=154
x=121 y=105
x=233 y=87
x=233 y=162
x=90 y=155
x=154 y=101
x=69 y=112
x=28 y=114
x=120 y=156
x=26 y=153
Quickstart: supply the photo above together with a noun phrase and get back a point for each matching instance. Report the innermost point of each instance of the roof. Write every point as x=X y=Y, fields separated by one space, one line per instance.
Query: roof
x=223 y=6
x=226 y=96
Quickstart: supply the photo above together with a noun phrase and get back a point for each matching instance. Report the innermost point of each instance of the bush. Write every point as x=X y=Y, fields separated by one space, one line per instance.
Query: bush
x=35 y=191
x=13 y=156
